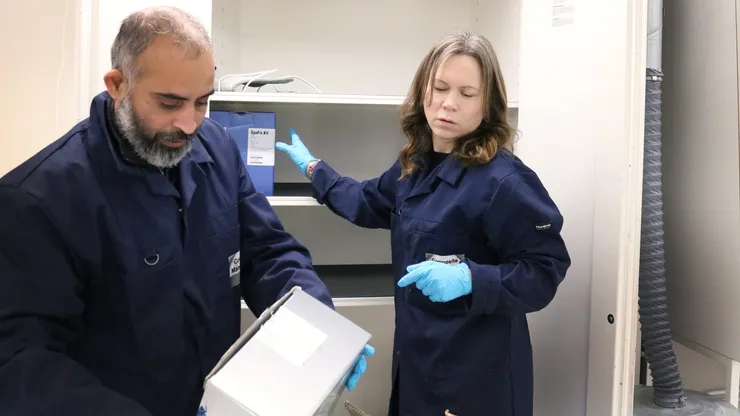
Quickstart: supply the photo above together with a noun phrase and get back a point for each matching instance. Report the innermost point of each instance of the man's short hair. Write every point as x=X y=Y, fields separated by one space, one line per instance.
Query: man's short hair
x=140 y=28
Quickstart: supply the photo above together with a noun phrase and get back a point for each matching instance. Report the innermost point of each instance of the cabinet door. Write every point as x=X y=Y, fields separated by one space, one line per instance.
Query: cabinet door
x=581 y=114
x=99 y=24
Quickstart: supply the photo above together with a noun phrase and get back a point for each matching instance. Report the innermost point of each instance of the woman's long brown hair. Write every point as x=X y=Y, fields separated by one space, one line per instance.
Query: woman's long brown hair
x=494 y=133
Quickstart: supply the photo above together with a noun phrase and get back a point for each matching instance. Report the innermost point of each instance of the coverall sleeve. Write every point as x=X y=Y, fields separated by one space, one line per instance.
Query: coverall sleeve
x=40 y=315
x=366 y=204
x=272 y=260
x=523 y=227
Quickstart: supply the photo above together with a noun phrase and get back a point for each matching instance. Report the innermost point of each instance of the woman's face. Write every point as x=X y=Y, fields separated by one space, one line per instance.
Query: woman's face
x=456 y=106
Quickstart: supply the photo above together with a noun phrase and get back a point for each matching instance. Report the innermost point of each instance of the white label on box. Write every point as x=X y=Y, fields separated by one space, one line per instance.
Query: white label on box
x=261 y=148
x=291 y=336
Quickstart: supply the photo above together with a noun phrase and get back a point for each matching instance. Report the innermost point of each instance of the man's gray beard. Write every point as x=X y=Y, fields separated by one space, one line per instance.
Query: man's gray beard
x=147 y=145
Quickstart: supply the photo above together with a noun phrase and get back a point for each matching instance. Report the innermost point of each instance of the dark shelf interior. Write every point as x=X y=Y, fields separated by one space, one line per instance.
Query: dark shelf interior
x=357 y=280
x=293 y=189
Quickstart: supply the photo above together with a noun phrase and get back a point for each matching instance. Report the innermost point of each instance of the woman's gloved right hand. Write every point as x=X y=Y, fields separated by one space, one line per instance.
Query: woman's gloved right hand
x=297 y=151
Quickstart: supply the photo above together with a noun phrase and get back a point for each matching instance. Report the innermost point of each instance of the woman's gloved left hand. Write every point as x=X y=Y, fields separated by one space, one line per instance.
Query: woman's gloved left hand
x=440 y=282
x=359 y=367
x=297 y=151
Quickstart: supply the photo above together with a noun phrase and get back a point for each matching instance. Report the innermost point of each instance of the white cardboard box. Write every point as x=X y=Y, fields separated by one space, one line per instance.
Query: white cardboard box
x=293 y=361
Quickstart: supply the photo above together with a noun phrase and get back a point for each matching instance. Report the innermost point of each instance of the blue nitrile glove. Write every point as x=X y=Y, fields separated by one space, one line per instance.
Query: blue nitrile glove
x=297 y=151
x=360 y=367
x=440 y=282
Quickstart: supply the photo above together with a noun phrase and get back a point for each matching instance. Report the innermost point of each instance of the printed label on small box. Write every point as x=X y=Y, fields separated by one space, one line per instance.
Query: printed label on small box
x=261 y=149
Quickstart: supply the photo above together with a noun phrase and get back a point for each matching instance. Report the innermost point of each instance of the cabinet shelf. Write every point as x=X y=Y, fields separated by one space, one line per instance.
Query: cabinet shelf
x=293 y=194
x=293 y=201
x=296 y=98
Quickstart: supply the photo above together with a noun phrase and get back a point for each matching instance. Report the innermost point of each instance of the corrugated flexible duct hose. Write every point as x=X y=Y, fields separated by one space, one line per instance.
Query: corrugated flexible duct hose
x=666 y=397
x=656 y=332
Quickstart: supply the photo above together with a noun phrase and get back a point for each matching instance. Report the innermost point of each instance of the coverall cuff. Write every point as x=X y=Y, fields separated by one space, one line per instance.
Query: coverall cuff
x=323 y=179
x=486 y=287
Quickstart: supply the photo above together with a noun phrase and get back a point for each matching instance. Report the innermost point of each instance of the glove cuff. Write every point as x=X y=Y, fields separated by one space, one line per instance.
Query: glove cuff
x=468 y=278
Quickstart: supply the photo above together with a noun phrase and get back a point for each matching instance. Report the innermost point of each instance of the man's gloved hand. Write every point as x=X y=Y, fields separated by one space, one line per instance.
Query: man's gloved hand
x=438 y=281
x=297 y=151
x=360 y=367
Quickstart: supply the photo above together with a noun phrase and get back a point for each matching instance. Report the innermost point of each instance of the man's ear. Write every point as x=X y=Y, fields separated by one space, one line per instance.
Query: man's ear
x=115 y=83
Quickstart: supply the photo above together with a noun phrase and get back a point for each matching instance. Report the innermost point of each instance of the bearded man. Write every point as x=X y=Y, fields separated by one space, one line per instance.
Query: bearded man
x=127 y=245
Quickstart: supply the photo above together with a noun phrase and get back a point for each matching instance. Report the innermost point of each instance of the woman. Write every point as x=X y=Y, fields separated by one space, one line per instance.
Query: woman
x=475 y=238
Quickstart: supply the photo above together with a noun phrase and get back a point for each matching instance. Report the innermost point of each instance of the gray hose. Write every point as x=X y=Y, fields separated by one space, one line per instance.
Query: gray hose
x=656 y=332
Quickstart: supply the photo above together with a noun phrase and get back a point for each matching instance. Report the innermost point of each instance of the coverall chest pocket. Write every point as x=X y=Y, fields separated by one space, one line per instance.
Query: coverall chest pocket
x=220 y=250
x=446 y=245
x=155 y=300
x=219 y=261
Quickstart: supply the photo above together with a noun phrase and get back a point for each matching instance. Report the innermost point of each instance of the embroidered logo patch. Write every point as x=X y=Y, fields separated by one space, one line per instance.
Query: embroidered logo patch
x=543 y=227
x=451 y=259
x=235 y=268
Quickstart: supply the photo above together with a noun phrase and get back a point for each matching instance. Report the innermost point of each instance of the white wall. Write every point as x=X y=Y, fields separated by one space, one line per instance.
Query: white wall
x=37 y=76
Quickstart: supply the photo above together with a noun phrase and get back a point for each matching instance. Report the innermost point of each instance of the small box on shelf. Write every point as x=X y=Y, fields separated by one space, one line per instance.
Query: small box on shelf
x=254 y=133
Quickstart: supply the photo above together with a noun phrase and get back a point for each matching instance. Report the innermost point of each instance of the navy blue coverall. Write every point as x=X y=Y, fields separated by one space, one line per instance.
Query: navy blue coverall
x=119 y=284
x=471 y=355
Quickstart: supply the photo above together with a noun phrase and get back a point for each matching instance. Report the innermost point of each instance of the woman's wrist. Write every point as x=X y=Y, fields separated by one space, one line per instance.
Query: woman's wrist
x=311 y=167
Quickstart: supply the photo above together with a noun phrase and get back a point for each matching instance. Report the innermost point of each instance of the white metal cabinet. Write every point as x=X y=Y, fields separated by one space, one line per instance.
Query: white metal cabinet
x=581 y=113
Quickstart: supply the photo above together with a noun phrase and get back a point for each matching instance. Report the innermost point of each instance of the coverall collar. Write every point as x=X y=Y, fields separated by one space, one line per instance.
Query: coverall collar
x=450 y=170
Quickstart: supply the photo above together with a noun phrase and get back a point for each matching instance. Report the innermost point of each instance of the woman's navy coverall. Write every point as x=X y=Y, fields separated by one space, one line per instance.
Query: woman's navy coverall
x=471 y=355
